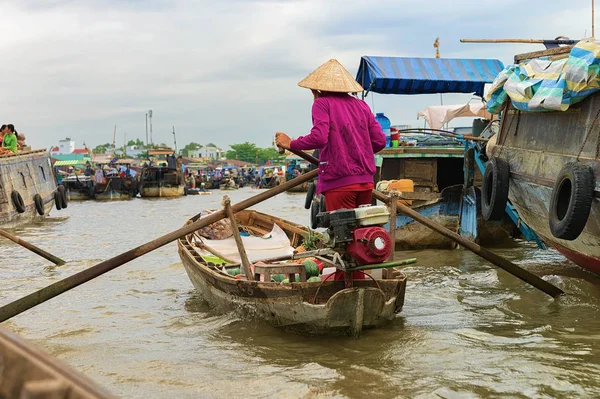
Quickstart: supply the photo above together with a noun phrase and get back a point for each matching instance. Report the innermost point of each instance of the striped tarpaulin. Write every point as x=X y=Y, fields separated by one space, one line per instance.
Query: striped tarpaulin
x=399 y=75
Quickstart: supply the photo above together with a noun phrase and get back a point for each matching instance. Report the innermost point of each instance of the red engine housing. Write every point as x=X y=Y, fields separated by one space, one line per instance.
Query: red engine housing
x=370 y=245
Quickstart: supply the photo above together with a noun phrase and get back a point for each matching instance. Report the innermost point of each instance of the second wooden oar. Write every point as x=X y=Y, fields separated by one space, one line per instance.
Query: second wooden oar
x=54 y=259
x=499 y=261
x=46 y=293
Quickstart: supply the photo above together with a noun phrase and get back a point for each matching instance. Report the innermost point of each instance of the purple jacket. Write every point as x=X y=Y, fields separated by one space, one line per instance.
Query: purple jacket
x=347 y=135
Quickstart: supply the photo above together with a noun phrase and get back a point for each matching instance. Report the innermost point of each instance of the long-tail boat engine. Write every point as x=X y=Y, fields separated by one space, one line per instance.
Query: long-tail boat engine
x=357 y=235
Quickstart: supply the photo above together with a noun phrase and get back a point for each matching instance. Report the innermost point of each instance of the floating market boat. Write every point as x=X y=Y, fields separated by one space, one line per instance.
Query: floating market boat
x=27 y=372
x=79 y=188
x=314 y=307
x=547 y=163
x=446 y=184
x=161 y=181
x=116 y=188
x=28 y=189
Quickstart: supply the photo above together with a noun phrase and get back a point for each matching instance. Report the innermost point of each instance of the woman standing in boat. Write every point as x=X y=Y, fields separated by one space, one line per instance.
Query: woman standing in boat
x=346 y=133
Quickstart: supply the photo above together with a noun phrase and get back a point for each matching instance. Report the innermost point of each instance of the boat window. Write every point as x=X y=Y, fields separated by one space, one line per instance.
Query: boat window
x=23 y=177
x=449 y=172
x=43 y=173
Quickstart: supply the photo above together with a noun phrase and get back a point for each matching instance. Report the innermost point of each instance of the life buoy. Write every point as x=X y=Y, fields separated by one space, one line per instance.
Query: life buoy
x=39 y=204
x=17 y=201
x=63 y=196
x=57 y=200
x=494 y=193
x=571 y=201
x=310 y=193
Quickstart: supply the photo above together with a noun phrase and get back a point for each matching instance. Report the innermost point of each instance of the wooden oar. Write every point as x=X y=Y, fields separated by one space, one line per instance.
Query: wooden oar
x=499 y=261
x=27 y=302
x=54 y=259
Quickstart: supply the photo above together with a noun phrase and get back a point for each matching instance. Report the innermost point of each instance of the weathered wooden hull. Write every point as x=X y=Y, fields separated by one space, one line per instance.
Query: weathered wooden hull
x=28 y=173
x=537 y=146
x=78 y=195
x=113 y=195
x=293 y=306
x=302 y=188
x=446 y=211
x=168 y=192
x=26 y=372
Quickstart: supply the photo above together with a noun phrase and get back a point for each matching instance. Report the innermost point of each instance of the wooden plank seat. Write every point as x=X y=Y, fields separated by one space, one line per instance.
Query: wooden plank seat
x=288 y=269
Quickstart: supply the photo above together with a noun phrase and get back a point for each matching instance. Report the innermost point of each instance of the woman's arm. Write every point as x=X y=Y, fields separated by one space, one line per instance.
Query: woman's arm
x=319 y=134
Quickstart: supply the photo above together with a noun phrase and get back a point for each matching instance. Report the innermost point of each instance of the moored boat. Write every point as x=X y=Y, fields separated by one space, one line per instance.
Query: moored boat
x=314 y=307
x=27 y=187
x=446 y=182
x=79 y=188
x=161 y=181
x=550 y=160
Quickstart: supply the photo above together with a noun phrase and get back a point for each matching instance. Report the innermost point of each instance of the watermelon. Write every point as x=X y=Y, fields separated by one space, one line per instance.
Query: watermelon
x=314 y=279
x=312 y=269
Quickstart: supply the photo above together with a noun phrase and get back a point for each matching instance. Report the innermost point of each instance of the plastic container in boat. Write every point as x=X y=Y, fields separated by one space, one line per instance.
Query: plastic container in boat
x=371 y=215
x=402 y=185
x=385 y=126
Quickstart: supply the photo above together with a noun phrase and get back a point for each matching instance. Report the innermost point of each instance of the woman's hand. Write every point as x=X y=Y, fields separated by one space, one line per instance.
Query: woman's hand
x=282 y=140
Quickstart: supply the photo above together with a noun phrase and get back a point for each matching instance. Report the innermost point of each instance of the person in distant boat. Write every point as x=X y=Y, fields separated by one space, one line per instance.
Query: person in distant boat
x=346 y=133
x=99 y=174
x=9 y=141
x=88 y=170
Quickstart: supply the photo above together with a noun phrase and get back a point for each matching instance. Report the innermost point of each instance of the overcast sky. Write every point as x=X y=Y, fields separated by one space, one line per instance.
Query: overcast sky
x=226 y=71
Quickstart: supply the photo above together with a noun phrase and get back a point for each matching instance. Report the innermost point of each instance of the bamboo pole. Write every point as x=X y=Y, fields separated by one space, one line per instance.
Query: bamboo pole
x=393 y=212
x=27 y=302
x=532 y=41
x=238 y=239
x=499 y=261
x=54 y=259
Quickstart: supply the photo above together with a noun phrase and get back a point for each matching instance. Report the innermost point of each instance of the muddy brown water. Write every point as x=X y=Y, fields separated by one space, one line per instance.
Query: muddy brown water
x=141 y=331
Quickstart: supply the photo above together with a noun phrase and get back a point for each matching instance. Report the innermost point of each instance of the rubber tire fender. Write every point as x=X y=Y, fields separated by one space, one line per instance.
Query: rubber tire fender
x=310 y=194
x=494 y=192
x=39 y=204
x=57 y=200
x=63 y=196
x=322 y=204
x=314 y=211
x=17 y=201
x=571 y=201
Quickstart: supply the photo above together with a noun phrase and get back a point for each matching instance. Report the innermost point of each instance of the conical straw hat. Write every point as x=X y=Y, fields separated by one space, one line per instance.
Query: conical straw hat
x=331 y=76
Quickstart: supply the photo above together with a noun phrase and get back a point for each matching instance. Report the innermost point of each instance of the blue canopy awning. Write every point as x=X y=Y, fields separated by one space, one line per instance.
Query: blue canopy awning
x=399 y=75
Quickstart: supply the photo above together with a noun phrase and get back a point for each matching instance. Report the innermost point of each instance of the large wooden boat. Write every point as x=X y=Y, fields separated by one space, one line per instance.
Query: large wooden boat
x=161 y=181
x=26 y=372
x=539 y=147
x=313 y=307
x=446 y=182
x=116 y=188
x=79 y=188
x=27 y=187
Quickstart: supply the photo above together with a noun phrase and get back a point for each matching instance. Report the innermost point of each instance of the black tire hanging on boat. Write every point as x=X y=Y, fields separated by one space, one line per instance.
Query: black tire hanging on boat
x=322 y=204
x=310 y=193
x=571 y=201
x=17 y=201
x=39 y=204
x=63 y=196
x=57 y=200
x=494 y=193
x=314 y=211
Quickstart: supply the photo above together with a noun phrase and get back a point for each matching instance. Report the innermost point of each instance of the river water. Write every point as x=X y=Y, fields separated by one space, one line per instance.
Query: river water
x=141 y=331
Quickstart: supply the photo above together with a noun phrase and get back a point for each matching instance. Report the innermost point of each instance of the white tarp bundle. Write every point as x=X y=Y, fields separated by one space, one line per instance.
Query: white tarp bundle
x=438 y=115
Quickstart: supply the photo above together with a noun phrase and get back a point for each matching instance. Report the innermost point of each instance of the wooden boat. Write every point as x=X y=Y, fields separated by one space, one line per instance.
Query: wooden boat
x=160 y=181
x=543 y=148
x=79 y=188
x=446 y=182
x=27 y=372
x=116 y=188
x=311 y=307
x=27 y=187
x=302 y=188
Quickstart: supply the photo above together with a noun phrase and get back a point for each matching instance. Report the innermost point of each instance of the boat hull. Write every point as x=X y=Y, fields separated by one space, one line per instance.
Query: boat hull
x=536 y=148
x=336 y=309
x=168 y=192
x=28 y=173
